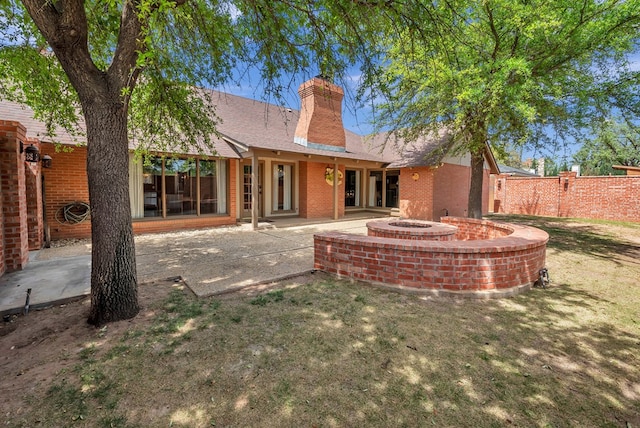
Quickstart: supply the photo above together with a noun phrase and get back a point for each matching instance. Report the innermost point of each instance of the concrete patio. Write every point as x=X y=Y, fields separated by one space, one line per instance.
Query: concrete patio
x=211 y=261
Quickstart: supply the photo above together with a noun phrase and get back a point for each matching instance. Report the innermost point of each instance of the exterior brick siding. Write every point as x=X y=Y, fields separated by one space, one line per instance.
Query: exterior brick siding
x=316 y=195
x=437 y=192
x=451 y=190
x=65 y=182
x=416 y=193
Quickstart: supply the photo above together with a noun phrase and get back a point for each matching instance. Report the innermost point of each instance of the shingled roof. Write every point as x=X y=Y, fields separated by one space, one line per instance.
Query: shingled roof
x=260 y=125
x=248 y=124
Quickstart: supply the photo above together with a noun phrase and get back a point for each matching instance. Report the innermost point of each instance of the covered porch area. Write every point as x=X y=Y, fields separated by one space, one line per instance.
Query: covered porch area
x=274 y=185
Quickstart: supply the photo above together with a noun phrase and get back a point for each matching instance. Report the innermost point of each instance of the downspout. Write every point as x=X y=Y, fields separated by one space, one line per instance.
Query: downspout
x=45 y=225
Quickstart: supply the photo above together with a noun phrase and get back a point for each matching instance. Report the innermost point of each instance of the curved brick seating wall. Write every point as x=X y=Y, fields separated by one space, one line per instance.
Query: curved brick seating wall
x=501 y=266
x=470 y=228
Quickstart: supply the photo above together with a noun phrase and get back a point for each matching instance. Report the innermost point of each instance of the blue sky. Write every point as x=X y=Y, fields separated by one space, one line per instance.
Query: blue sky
x=355 y=119
x=358 y=119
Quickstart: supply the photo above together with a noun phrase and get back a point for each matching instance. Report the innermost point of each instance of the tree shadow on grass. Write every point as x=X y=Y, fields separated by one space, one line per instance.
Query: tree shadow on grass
x=551 y=347
x=568 y=235
x=334 y=353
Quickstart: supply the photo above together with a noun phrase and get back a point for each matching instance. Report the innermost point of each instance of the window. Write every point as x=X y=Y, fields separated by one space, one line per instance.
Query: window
x=213 y=193
x=152 y=179
x=176 y=187
x=282 y=187
x=180 y=186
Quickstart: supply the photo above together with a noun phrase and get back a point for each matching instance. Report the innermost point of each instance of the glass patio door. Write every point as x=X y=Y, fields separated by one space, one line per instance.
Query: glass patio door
x=246 y=191
x=352 y=188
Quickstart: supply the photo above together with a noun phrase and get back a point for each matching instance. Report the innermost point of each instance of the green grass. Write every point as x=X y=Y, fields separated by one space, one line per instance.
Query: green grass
x=333 y=353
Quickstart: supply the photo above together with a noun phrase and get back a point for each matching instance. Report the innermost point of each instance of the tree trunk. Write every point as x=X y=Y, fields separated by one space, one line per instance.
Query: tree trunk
x=476 y=185
x=114 y=288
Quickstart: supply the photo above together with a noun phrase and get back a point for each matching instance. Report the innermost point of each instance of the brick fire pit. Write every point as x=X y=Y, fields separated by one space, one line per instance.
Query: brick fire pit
x=458 y=256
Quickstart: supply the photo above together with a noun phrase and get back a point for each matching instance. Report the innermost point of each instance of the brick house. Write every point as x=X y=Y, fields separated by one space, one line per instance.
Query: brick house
x=268 y=162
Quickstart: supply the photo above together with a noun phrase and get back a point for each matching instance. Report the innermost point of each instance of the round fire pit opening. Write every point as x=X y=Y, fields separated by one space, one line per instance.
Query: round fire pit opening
x=408 y=224
x=417 y=230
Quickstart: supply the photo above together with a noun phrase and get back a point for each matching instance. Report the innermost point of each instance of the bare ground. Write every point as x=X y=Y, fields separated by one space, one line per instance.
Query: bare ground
x=313 y=351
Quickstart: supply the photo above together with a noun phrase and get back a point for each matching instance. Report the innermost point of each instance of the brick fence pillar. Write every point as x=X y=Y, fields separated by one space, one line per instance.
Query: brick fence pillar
x=566 y=185
x=14 y=205
x=500 y=195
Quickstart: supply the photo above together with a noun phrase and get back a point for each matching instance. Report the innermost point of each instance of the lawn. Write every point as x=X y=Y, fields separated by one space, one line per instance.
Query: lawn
x=317 y=352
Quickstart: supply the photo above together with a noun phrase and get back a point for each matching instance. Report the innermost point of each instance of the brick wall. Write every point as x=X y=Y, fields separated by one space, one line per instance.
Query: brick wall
x=15 y=240
x=606 y=197
x=65 y=182
x=498 y=267
x=451 y=190
x=416 y=193
x=520 y=195
x=316 y=195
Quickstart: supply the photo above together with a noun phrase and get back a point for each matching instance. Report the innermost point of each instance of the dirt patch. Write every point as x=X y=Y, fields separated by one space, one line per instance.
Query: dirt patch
x=36 y=348
x=313 y=351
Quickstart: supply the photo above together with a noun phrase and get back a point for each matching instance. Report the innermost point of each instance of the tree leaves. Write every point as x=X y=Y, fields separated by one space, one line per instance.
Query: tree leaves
x=516 y=64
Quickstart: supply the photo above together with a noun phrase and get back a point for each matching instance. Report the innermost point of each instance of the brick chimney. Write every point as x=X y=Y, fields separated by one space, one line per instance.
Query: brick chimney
x=320 y=124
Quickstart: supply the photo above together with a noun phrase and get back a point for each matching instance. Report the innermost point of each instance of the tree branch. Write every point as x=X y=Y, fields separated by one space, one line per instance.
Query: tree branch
x=64 y=26
x=494 y=32
x=124 y=71
x=121 y=71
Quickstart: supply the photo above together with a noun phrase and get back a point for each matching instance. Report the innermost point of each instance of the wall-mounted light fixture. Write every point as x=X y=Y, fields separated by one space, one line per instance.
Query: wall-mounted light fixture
x=46 y=161
x=328 y=175
x=566 y=184
x=32 y=154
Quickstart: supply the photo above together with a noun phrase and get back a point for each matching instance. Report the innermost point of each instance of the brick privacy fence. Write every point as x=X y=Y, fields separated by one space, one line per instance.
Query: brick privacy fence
x=496 y=267
x=605 y=197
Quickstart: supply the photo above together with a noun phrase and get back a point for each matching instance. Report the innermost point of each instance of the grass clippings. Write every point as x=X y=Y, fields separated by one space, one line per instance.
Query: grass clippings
x=318 y=352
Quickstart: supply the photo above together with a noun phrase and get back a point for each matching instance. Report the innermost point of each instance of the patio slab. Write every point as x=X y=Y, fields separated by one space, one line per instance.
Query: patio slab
x=211 y=261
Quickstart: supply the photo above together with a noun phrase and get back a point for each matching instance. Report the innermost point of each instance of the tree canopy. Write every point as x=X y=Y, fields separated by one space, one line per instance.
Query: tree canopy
x=615 y=143
x=164 y=49
x=508 y=72
x=495 y=71
x=132 y=68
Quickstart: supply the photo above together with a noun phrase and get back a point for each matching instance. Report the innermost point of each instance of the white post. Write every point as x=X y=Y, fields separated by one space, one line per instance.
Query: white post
x=254 y=192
